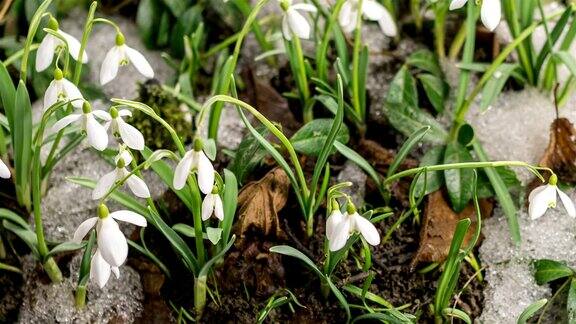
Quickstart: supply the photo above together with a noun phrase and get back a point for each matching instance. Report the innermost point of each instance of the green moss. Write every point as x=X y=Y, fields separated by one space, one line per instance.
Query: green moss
x=167 y=107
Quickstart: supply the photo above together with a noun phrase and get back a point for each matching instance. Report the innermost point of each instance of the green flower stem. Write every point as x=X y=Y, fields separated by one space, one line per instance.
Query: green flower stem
x=441 y=10
x=302 y=79
x=271 y=127
x=220 y=46
x=76 y=80
x=465 y=165
x=20 y=53
x=356 y=64
x=197 y=215
x=34 y=23
x=467 y=57
x=80 y=297
x=217 y=110
x=322 y=53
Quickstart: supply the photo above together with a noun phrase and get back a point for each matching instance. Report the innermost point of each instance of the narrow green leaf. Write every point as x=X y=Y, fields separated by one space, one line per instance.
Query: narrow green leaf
x=22 y=133
x=26 y=235
x=290 y=251
x=495 y=84
x=13 y=217
x=351 y=155
x=406 y=148
x=531 y=310
x=65 y=247
x=454 y=312
x=230 y=201
x=7 y=94
x=214 y=234
x=208 y=265
x=433 y=179
x=340 y=298
x=571 y=302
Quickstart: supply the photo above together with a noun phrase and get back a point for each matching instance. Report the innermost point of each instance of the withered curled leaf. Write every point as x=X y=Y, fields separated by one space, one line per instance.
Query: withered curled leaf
x=259 y=203
x=439 y=224
x=560 y=155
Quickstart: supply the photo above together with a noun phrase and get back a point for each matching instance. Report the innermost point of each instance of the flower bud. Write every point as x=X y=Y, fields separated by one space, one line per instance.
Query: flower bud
x=103 y=211
x=113 y=112
x=553 y=179
x=53 y=23
x=86 y=107
x=58 y=75
x=120 y=40
x=198 y=145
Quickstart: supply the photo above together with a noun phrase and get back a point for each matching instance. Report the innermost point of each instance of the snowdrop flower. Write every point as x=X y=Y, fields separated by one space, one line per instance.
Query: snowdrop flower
x=544 y=197
x=4 y=171
x=97 y=136
x=339 y=227
x=100 y=270
x=121 y=55
x=195 y=159
x=371 y=10
x=131 y=136
x=50 y=44
x=112 y=245
x=293 y=22
x=61 y=89
x=212 y=204
x=490 y=13
x=136 y=185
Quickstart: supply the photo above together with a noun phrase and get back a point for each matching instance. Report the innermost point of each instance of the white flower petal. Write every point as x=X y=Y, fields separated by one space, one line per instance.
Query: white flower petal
x=73 y=93
x=335 y=218
x=457 y=4
x=286 y=29
x=182 y=171
x=83 y=229
x=139 y=62
x=207 y=206
x=104 y=184
x=4 y=171
x=372 y=10
x=101 y=114
x=347 y=17
x=124 y=155
x=110 y=65
x=99 y=269
x=298 y=24
x=138 y=187
x=130 y=135
x=59 y=125
x=51 y=94
x=218 y=207
x=491 y=13
x=97 y=136
x=112 y=243
x=304 y=7
x=116 y=272
x=124 y=113
x=367 y=229
x=205 y=173
x=129 y=217
x=541 y=201
x=535 y=192
x=45 y=52
x=341 y=235
x=567 y=202
x=74 y=47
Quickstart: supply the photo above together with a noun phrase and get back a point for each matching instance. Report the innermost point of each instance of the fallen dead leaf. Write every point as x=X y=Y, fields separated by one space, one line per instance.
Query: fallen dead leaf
x=560 y=155
x=439 y=224
x=259 y=203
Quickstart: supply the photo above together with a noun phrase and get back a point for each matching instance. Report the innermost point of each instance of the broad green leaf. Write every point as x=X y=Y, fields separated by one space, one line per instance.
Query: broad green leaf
x=550 y=270
x=177 y=7
x=571 y=302
x=290 y=251
x=436 y=90
x=495 y=84
x=458 y=181
x=454 y=312
x=531 y=310
x=434 y=179
x=65 y=247
x=148 y=19
x=249 y=155
x=426 y=61
x=465 y=134
x=401 y=108
x=311 y=137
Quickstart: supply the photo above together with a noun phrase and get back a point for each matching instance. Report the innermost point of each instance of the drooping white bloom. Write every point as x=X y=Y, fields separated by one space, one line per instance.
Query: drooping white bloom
x=121 y=55
x=490 y=13
x=339 y=228
x=50 y=44
x=100 y=270
x=97 y=136
x=371 y=10
x=195 y=159
x=61 y=89
x=544 y=197
x=212 y=204
x=136 y=185
x=4 y=171
x=293 y=23
x=131 y=136
x=112 y=245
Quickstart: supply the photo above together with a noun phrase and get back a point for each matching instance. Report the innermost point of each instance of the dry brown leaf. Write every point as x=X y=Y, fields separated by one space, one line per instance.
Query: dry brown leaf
x=260 y=202
x=560 y=155
x=439 y=224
